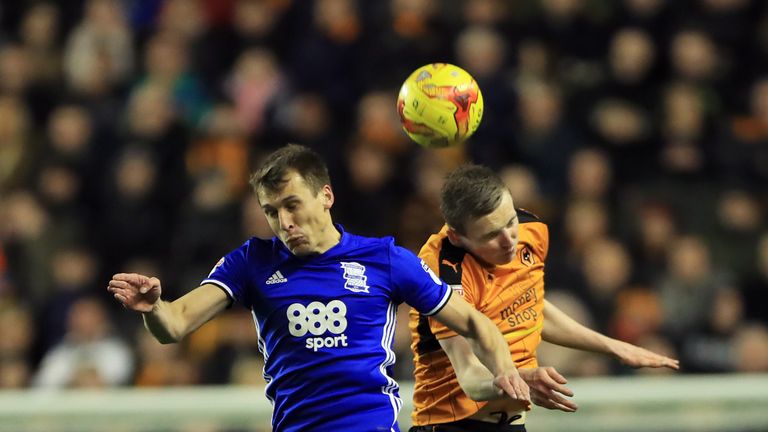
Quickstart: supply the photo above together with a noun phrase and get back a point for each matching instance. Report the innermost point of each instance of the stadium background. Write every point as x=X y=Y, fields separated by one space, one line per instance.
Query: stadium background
x=637 y=129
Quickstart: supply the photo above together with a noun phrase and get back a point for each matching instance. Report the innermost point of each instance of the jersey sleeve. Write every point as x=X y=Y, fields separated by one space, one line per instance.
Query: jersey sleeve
x=468 y=292
x=540 y=237
x=463 y=284
x=230 y=272
x=414 y=283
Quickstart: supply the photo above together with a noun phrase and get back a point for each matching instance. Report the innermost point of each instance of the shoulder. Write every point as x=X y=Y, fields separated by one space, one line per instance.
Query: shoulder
x=380 y=249
x=531 y=223
x=439 y=247
x=533 y=231
x=445 y=258
x=357 y=242
x=260 y=249
x=524 y=216
x=434 y=243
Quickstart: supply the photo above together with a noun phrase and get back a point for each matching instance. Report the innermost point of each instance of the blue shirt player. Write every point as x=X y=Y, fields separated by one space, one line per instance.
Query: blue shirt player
x=324 y=304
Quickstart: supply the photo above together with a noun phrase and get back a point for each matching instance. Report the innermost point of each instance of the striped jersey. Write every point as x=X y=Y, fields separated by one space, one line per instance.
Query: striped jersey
x=511 y=295
x=326 y=324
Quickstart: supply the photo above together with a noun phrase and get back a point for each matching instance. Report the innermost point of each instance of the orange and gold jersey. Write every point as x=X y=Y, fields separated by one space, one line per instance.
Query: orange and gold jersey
x=511 y=295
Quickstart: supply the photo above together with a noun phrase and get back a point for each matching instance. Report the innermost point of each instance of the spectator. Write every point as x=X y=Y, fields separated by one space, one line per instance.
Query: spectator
x=88 y=356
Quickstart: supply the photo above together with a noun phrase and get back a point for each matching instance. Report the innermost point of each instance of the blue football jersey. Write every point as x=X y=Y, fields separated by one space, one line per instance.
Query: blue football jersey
x=326 y=324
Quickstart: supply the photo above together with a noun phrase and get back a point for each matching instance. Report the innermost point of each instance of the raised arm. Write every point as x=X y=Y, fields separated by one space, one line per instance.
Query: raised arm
x=489 y=346
x=546 y=385
x=168 y=321
x=560 y=329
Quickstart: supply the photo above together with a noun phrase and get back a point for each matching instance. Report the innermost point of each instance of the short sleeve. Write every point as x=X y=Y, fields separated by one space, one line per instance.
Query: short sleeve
x=414 y=283
x=230 y=272
x=469 y=291
x=544 y=242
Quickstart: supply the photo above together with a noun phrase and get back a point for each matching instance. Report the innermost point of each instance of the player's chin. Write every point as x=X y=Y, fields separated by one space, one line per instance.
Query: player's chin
x=301 y=249
x=505 y=257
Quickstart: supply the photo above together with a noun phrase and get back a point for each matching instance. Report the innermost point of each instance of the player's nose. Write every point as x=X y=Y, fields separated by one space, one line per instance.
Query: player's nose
x=506 y=239
x=286 y=220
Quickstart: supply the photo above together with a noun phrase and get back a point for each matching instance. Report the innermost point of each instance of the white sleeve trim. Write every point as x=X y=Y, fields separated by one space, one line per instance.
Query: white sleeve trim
x=442 y=302
x=221 y=285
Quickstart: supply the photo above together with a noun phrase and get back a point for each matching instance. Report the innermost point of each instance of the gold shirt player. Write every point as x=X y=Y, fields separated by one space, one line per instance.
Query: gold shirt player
x=493 y=255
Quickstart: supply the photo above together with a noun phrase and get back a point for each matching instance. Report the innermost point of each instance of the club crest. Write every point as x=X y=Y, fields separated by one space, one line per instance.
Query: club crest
x=355 y=279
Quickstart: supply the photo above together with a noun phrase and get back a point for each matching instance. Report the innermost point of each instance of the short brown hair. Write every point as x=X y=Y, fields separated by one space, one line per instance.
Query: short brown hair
x=469 y=192
x=293 y=157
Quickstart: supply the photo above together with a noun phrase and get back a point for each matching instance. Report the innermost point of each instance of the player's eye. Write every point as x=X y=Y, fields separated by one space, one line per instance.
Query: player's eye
x=271 y=213
x=491 y=236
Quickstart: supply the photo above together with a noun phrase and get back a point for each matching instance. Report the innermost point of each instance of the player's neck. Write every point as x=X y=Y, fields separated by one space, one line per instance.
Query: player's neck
x=484 y=264
x=329 y=237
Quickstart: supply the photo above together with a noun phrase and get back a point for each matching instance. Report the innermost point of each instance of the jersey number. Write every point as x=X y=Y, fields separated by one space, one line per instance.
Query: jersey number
x=316 y=318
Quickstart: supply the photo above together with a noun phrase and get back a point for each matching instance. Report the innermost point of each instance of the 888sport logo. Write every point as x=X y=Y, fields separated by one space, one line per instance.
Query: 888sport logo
x=317 y=319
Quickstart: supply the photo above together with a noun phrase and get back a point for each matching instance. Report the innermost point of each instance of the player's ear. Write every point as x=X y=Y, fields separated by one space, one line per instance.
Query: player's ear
x=453 y=237
x=328 y=197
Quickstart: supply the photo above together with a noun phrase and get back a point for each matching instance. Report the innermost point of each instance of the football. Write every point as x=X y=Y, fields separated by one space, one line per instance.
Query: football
x=440 y=105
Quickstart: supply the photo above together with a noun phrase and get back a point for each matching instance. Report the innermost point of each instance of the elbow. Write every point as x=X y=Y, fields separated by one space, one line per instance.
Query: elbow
x=477 y=386
x=167 y=339
x=471 y=326
x=166 y=335
x=171 y=335
x=479 y=324
x=476 y=393
x=476 y=396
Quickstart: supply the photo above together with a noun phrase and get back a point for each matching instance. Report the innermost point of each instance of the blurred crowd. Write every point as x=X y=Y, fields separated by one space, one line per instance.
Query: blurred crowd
x=637 y=129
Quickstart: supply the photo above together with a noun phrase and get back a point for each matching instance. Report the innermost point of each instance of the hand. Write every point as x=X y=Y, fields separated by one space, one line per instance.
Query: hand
x=547 y=389
x=136 y=292
x=513 y=385
x=637 y=357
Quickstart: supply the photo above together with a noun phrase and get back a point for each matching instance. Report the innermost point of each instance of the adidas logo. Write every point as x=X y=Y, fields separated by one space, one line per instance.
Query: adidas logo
x=276 y=277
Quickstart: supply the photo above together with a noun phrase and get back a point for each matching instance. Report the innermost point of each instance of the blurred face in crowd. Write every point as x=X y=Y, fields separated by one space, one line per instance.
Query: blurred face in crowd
x=643 y=7
x=370 y=168
x=300 y=217
x=40 y=25
x=540 y=107
x=689 y=260
x=136 y=175
x=69 y=129
x=562 y=8
x=684 y=111
x=657 y=226
x=377 y=122
x=481 y=50
x=762 y=255
x=491 y=238
x=631 y=54
x=150 y=110
x=14 y=69
x=585 y=220
x=694 y=55
x=607 y=267
x=759 y=100
x=87 y=321
x=589 y=174
x=522 y=184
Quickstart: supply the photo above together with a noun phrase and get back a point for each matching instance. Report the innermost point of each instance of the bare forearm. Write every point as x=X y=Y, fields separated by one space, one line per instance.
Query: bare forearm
x=474 y=378
x=560 y=329
x=489 y=345
x=160 y=322
x=488 y=348
x=171 y=322
x=477 y=383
